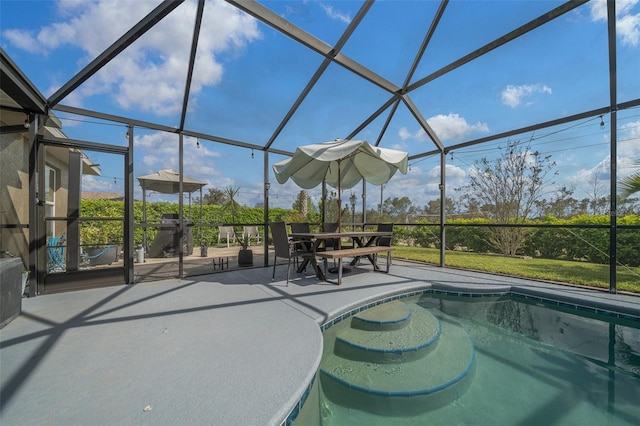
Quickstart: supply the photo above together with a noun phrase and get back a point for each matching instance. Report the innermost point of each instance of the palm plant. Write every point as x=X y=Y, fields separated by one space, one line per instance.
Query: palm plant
x=230 y=202
x=630 y=184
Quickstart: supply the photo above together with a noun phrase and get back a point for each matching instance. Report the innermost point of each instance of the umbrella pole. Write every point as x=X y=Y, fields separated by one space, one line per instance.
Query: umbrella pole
x=324 y=200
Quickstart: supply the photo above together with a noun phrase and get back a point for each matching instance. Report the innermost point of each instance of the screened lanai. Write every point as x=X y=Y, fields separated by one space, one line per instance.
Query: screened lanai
x=220 y=91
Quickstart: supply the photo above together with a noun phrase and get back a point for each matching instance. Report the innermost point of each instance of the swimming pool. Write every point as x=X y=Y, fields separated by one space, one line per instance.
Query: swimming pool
x=519 y=361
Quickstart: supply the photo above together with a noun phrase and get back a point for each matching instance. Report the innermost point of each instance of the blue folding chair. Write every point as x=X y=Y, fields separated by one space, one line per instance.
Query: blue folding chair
x=56 y=248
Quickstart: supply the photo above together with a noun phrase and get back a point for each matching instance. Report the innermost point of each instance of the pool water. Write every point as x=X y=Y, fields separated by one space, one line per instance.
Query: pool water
x=518 y=362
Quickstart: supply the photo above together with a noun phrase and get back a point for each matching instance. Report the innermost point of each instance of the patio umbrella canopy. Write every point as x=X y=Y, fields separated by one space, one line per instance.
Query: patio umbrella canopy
x=342 y=164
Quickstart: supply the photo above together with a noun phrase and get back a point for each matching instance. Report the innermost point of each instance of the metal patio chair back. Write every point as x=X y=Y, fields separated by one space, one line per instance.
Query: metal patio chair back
x=226 y=233
x=284 y=247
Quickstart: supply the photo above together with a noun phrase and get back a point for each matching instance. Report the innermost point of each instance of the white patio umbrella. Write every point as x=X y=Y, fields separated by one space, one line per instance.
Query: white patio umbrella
x=342 y=164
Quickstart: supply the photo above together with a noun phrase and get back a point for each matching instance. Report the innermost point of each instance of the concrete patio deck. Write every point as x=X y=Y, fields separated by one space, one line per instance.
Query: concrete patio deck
x=230 y=348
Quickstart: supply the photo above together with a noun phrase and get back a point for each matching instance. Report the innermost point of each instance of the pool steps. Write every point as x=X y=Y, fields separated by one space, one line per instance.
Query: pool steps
x=397 y=357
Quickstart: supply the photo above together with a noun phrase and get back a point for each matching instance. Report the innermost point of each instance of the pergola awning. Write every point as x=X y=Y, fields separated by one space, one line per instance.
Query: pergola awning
x=167 y=181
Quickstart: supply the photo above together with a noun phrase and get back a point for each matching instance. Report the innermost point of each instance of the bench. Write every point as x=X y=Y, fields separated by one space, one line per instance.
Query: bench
x=355 y=252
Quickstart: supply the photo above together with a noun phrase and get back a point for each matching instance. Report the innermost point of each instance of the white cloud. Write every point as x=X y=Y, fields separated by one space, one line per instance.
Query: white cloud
x=95 y=184
x=627 y=24
x=629 y=27
x=337 y=15
x=597 y=178
x=150 y=74
x=452 y=126
x=404 y=133
x=513 y=95
x=586 y=181
x=23 y=40
x=631 y=130
x=160 y=151
x=628 y=148
x=452 y=172
x=446 y=127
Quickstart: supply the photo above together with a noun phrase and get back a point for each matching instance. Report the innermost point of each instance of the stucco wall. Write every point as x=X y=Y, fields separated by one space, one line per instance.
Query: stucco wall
x=14 y=191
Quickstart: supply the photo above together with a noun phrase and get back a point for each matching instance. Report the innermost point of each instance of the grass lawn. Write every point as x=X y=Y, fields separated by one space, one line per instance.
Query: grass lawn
x=581 y=273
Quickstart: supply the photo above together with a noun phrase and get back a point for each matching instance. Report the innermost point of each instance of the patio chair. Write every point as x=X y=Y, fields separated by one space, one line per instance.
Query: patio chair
x=251 y=233
x=304 y=228
x=286 y=248
x=384 y=241
x=333 y=244
x=300 y=227
x=56 y=248
x=330 y=244
x=226 y=233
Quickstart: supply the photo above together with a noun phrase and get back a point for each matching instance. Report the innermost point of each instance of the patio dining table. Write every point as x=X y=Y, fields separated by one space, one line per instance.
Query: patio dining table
x=359 y=238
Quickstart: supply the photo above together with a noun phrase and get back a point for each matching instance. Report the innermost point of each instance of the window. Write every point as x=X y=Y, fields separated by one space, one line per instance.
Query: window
x=50 y=186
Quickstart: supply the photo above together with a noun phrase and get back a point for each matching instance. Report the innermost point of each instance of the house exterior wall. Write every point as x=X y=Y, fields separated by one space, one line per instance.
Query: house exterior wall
x=14 y=194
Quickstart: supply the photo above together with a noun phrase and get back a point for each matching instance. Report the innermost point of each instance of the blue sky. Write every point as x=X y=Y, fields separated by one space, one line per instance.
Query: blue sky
x=248 y=75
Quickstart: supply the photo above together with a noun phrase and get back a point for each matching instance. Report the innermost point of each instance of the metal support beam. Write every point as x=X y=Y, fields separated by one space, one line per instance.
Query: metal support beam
x=163 y=128
x=373 y=116
x=129 y=218
x=37 y=242
x=568 y=119
x=73 y=211
x=423 y=122
x=89 y=146
x=321 y=69
x=425 y=42
x=443 y=199
x=385 y=126
x=112 y=51
x=613 y=193
x=180 y=206
x=17 y=87
x=18 y=128
x=192 y=60
x=531 y=25
x=266 y=188
x=277 y=22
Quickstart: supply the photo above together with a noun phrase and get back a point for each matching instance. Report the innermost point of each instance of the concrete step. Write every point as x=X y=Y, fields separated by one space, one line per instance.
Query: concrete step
x=382 y=343
x=411 y=384
x=388 y=316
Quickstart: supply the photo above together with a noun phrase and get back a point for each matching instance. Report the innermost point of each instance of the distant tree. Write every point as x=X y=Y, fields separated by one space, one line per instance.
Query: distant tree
x=583 y=206
x=432 y=209
x=598 y=202
x=400 y=209
x=507 y=189
x=562 y=205
x=214 y=197
x=628 y=206
x=331 y=210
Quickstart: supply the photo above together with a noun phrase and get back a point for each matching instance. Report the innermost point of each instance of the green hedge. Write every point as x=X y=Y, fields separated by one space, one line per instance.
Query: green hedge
x=587 y=244
x=94 y=232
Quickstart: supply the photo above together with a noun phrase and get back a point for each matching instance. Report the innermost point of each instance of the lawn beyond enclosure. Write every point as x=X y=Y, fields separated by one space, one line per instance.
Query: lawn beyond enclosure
x=581 y=273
